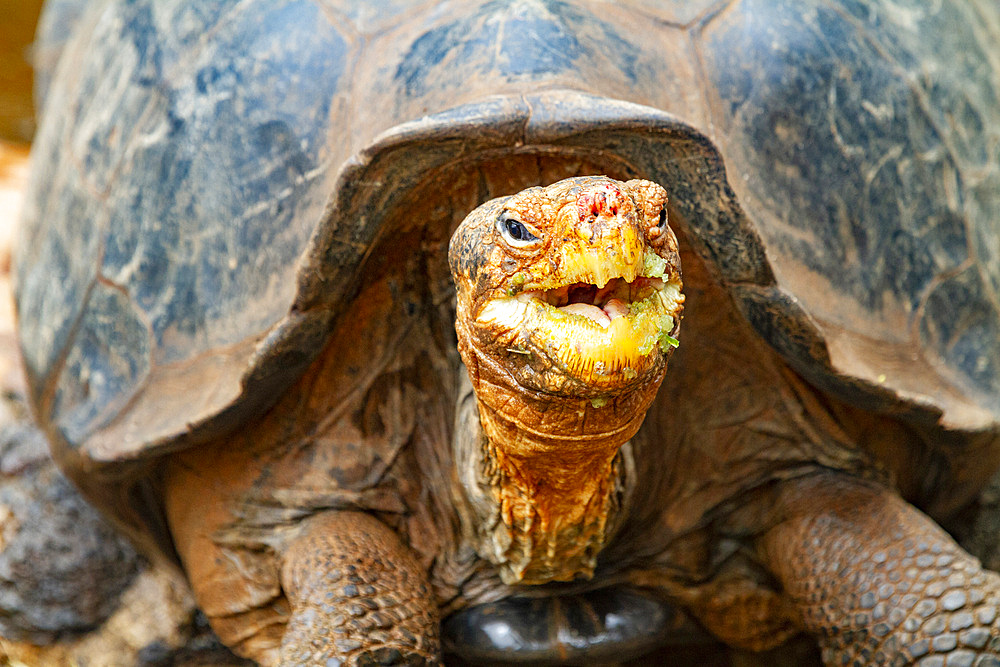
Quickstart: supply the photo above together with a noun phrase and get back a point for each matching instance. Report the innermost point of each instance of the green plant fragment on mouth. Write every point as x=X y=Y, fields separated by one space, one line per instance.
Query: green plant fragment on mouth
x=517 y=282
x=653 y=266
x=667 y=342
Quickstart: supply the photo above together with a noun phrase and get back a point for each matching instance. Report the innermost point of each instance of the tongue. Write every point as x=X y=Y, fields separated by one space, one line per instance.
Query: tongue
x=616 y=308
x=602 y=316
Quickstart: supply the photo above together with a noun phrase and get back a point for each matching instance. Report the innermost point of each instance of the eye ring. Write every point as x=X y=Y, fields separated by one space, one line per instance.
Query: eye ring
x=514 y=232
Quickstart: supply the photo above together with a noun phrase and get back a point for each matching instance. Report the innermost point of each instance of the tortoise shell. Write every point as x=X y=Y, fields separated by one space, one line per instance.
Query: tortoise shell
x=210 y=180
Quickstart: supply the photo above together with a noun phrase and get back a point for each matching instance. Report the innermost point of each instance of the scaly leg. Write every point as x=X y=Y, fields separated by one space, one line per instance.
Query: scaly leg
x=878 y=582
x=358 y=596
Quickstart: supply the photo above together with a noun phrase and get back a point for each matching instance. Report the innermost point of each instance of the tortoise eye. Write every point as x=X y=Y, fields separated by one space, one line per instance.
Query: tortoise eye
x=662 y=222
x=515 y=232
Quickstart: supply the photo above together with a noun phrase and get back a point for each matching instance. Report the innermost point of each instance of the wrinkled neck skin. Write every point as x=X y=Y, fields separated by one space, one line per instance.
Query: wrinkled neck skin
x=548 y=476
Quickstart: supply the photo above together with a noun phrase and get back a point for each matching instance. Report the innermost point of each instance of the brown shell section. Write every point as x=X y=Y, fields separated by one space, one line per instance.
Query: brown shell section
x=860 y=148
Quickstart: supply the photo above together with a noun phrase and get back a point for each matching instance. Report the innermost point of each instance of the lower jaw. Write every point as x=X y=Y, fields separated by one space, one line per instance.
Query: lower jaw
x=548 y=351
x=603 y=369
x=554 y=368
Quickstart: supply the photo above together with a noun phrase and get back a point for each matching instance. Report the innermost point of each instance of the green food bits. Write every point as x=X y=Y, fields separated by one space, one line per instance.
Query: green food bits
x=667 y=342
x=517 y=282
x=653 y=266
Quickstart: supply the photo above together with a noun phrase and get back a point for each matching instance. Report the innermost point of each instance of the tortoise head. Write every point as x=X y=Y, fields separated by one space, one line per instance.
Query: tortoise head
x=568 y=304
x=572 y=289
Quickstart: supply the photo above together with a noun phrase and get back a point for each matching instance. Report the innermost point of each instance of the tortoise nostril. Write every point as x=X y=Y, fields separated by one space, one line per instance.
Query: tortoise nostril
x=602 y=199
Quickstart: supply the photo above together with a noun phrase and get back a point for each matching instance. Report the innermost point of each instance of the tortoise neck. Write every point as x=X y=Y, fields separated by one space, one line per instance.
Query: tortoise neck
x=552 y=476
x=553 y=522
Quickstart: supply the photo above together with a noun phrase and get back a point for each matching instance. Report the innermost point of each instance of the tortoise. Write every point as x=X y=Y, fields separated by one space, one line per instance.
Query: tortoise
x=236 y=297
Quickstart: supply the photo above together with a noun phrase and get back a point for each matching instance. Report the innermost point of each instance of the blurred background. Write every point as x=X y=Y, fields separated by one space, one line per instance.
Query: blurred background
x=16 y=128
x=16 y=31
x=150 y=619
x=16 y=119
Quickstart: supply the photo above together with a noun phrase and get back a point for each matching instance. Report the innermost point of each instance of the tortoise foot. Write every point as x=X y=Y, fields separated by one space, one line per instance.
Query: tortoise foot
x=358 y=597
x=879 y=583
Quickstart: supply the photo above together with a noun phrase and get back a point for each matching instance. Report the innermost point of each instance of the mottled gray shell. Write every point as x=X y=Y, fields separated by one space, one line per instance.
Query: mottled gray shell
x=208 y=177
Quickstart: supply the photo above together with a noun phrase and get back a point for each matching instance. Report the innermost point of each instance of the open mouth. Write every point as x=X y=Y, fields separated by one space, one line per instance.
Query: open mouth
x=595 y=333
x=598 y=304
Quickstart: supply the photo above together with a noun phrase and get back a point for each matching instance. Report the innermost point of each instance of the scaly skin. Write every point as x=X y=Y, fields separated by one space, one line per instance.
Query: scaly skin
x=878 y=582
x=351 y=569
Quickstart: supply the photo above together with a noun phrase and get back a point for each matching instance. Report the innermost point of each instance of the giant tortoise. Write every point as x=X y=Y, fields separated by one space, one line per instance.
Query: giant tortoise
x=249 y=344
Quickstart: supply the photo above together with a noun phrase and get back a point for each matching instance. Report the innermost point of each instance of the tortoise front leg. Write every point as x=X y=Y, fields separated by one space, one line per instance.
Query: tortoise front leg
x=878 y=582
x=358 y=596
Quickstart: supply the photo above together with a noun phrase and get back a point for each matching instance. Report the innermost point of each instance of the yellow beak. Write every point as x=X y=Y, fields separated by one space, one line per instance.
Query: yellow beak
x=600 y=252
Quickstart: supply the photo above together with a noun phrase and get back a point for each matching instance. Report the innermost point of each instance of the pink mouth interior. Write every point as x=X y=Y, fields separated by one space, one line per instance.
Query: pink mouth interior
x=600 y=304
